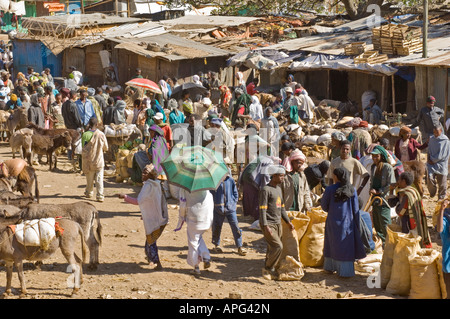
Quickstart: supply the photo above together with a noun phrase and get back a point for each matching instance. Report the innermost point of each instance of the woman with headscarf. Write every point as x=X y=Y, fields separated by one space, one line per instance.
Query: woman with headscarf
x=165 y=90
x=175 y=115
x=157 y=149
x=295 y=186
x=120 y=116
x=241 y=82
x=156 y=107
x=342 y=242
x=241 y=110
x=35 y=114
x=153 y=207
x=291 y=82
x=255 y=109
x=334 y=149
x=406 y=147
x=269 y=130
x=225 y=99
x=196 y=79
x=382 y=177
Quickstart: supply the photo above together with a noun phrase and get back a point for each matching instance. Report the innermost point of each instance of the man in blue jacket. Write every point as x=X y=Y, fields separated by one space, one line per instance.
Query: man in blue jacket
x=437 y=164
x=225 y=201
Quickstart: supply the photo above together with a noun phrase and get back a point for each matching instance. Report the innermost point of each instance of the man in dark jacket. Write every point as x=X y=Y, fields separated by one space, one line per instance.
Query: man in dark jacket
x=316 y=173
x=100 y=99
x=108 y=112
x=35 y=114
x=70 y=113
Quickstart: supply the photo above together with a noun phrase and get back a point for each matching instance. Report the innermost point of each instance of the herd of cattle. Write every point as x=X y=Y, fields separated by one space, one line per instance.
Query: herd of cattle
x=82 y=218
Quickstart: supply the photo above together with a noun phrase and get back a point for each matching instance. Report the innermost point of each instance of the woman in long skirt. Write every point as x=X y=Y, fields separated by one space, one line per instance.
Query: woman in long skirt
x=154 y=212
x=343 y=244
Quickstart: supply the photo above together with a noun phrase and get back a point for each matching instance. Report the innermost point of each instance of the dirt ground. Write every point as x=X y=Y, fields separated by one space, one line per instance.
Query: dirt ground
x=124 y=273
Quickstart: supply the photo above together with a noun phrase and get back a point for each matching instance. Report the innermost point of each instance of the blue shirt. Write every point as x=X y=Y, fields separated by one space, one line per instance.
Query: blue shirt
x=86 y=111
x=438 y=153
x=176 y=119
x=445 y=236
x=225 y=196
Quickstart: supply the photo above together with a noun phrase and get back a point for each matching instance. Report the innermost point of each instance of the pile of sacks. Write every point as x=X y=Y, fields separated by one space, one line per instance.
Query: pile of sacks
x=408 y=270
x=124 y=161
x=303 y=246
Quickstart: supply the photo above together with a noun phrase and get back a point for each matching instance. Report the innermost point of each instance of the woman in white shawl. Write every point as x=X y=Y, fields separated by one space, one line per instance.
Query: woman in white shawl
x=164 y=89
x=154 y=212
x=196 y=79
x=197 y=210
x=241 y=81
x=256 y=110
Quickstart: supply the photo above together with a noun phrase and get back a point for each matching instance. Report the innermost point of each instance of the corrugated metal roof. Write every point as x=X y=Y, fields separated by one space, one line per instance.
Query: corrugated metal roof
x=138 y=30
x=182 y=48
x=78 y=20
x=196 y=22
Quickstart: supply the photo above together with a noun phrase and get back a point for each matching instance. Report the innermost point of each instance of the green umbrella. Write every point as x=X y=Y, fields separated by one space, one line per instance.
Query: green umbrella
x=195 y=168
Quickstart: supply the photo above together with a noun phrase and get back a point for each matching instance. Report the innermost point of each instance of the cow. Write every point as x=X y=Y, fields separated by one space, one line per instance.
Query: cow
x=47 y=145
x=83 y=213
x=14 y=253
x=21 y=141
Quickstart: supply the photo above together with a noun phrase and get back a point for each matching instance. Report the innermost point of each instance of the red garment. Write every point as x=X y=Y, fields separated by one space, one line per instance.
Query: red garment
x=251 y=89
x=167 y=134
x=413 y=146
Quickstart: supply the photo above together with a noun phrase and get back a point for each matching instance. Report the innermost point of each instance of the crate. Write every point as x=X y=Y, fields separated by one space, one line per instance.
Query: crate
x=408 y=33
x=410 y=49
x=355 y=48
x=371 y=57
x=402 y=43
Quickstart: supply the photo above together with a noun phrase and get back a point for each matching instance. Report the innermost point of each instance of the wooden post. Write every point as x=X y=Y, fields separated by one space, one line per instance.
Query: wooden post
x=128 y=9
x=425 y=29
x=383 y=89
x=446 y=97
x=393 y=94
x=328 y=85
x=82 y=6
x=117 y=7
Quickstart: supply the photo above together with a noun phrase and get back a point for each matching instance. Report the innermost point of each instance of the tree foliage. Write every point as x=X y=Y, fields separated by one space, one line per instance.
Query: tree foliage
x=355 y=9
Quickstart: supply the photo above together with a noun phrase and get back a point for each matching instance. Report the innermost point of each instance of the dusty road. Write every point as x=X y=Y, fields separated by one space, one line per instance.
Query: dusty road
x=124 y=273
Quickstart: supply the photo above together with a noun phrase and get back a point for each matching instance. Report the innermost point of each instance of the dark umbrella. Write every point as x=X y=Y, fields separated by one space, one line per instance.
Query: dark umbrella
x=191 y=87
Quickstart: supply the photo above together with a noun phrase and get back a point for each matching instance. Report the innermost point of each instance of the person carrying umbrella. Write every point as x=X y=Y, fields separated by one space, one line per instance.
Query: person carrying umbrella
x=196 y=170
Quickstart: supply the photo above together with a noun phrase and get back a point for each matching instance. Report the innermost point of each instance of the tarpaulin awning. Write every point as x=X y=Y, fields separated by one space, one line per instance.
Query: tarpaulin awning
x=339 y=63
x=262 y=59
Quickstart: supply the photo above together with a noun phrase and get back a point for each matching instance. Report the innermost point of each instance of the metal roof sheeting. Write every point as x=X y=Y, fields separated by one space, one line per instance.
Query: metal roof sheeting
x=182 y=49
x=196 y=22
x=78 y=20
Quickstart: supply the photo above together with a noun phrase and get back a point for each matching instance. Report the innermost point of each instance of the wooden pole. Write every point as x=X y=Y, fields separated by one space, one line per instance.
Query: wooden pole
x=82 y=6
x=446 y=97
x=425 y=28
x=328 y=85
x=128 y=9
x=117 y=7
x=393 y=94
x=383 y=89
